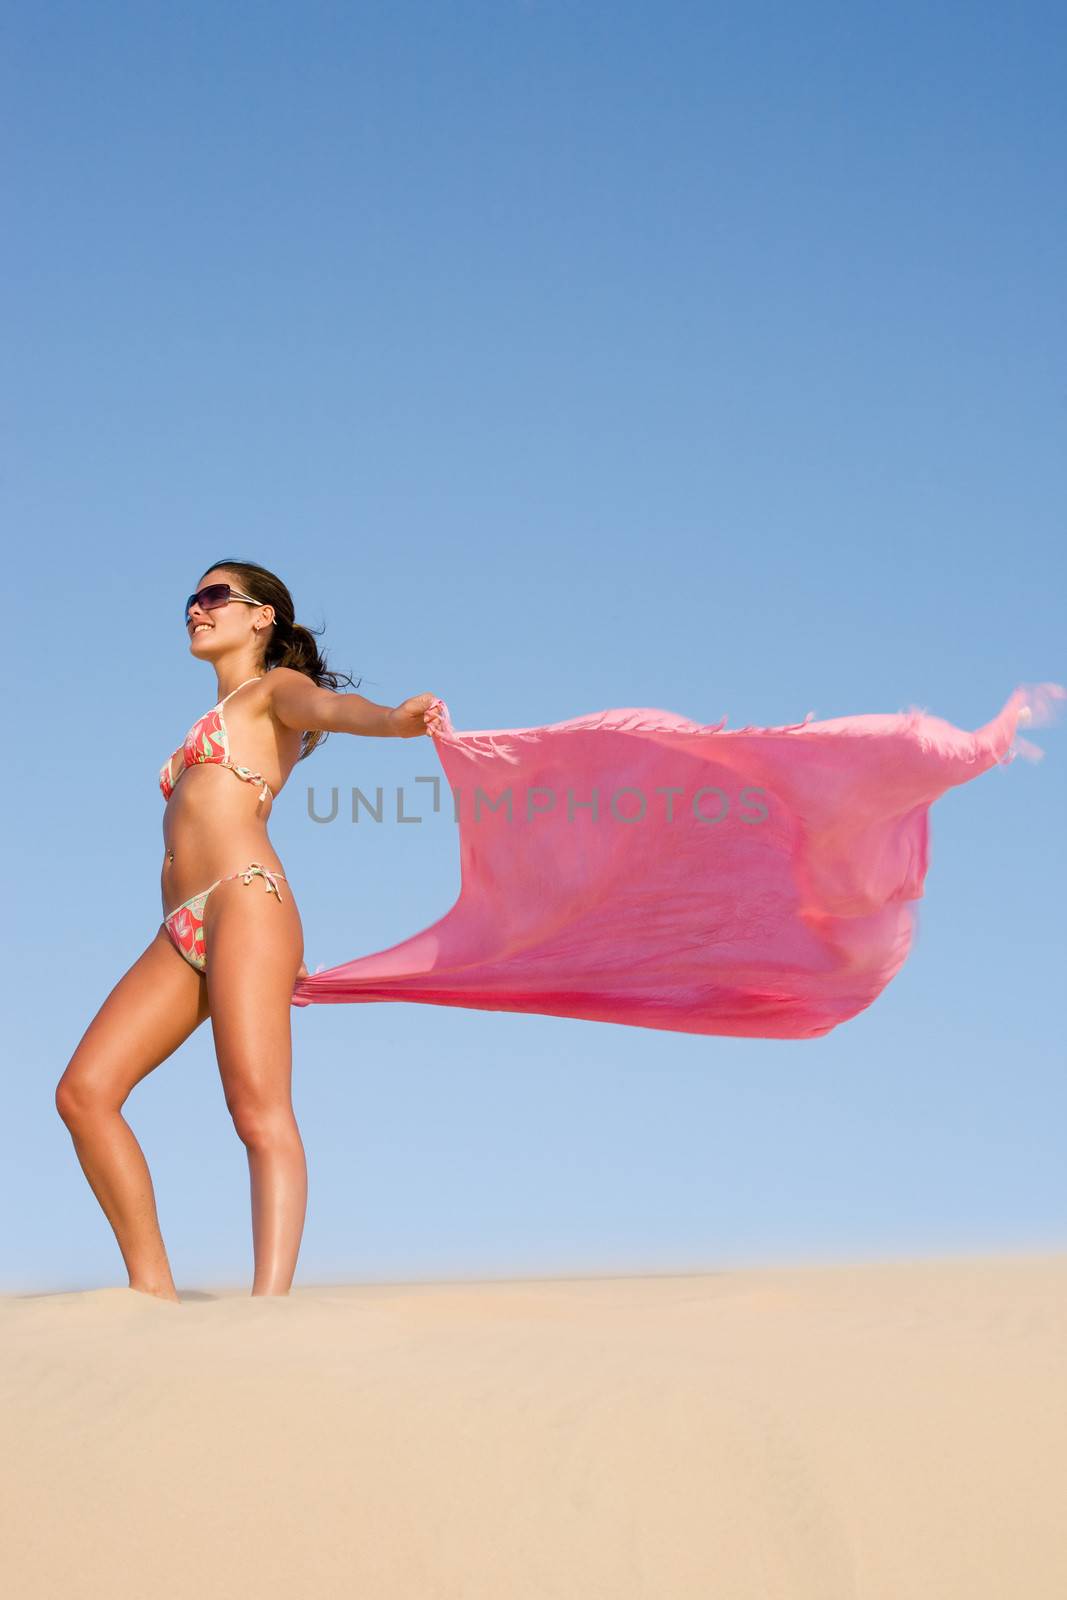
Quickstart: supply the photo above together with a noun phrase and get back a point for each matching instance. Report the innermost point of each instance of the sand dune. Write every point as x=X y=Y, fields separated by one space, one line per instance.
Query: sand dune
x=875 y=1432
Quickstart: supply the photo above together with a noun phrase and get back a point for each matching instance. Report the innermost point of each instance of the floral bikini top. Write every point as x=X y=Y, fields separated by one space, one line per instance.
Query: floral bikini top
x=208 y=743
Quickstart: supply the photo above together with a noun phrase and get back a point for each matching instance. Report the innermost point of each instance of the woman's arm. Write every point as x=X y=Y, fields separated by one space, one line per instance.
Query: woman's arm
x=299 y=703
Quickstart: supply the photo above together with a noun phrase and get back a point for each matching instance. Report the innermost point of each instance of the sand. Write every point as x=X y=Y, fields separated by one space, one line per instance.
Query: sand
x=889 y=1430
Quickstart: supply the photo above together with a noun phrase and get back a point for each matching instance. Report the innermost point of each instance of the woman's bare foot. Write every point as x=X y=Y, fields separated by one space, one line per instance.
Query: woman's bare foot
x=158 y=1294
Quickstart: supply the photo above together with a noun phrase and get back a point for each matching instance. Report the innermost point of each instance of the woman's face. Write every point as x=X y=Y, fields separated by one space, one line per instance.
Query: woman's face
x=223 y=628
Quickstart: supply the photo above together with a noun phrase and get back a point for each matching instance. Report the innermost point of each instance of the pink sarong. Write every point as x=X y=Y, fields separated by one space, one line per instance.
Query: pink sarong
x=632 y=866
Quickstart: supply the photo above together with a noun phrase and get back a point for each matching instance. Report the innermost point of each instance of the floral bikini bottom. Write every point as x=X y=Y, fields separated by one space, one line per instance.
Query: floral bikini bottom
x=185 y=924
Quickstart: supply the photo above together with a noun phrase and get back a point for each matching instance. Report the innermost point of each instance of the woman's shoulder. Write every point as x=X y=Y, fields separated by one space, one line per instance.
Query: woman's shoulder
x=279 y=675
x=286 y=680
x=295 y=700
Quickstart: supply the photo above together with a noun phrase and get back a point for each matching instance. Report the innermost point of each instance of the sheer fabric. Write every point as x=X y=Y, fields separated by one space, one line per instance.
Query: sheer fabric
x=652 y=871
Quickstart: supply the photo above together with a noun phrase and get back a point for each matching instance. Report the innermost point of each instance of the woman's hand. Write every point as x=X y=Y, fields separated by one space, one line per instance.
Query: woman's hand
x=419 y=714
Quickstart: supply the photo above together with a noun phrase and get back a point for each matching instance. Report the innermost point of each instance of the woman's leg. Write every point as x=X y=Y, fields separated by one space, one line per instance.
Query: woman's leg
x=149 y=1013
x=255 y=945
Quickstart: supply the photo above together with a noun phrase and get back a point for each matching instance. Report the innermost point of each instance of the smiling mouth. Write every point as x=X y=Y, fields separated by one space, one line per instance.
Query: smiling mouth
x=198 y=627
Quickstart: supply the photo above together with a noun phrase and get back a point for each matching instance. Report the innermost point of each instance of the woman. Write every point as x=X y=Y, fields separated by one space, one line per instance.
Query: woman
x=230 y=946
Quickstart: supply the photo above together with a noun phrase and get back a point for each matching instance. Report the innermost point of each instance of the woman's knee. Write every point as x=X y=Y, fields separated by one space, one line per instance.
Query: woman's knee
x=78 y=1098
x=262 y=1124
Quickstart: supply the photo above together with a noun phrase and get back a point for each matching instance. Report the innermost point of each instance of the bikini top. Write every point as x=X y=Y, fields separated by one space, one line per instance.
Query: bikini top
x=208 y=744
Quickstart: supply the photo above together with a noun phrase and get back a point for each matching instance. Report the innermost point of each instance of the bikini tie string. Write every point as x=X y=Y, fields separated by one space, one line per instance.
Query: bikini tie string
x=255 y=869
x=253 y=777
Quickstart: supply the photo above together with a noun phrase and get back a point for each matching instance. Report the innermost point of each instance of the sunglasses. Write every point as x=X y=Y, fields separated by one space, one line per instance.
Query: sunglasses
x=216 y=595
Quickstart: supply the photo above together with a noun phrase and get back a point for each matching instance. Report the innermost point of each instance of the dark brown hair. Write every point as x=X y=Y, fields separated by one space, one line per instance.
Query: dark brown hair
x=288 y=642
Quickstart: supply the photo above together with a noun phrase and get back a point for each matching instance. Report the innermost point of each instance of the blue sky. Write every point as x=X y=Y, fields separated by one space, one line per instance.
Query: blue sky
x=559 y=357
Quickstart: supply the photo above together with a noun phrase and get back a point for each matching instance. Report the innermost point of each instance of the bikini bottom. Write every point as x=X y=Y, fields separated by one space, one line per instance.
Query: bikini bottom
x=185 y=924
